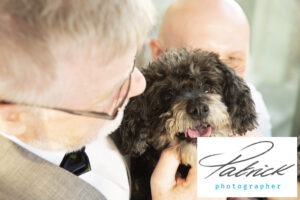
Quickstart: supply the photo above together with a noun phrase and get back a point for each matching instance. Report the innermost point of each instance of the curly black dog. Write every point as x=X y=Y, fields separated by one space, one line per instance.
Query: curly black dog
x=189 y=94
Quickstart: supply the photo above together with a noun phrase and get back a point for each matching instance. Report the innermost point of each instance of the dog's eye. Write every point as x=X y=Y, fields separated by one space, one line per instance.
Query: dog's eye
x=167 y=95
x=208 y=89
x=167 y=98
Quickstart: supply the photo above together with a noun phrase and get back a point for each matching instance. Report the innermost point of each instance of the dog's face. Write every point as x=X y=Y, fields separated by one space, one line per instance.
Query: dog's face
x=189 y=94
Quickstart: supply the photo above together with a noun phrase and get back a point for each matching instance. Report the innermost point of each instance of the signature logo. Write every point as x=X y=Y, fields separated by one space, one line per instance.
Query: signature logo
x=251 y=156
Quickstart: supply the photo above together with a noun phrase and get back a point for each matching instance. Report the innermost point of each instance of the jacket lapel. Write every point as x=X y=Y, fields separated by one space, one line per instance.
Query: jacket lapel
x=25 y=176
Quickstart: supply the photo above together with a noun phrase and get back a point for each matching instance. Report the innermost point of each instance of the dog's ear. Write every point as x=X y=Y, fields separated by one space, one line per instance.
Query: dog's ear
x=237 y=97
x=131 y=137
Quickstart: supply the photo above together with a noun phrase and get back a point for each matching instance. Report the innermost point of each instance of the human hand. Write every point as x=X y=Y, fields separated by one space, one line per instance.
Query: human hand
x=164 y=185
x=248 y=134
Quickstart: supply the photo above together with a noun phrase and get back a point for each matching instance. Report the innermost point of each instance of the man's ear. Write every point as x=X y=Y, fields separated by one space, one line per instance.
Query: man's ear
x=10 y=121
x=155 y=48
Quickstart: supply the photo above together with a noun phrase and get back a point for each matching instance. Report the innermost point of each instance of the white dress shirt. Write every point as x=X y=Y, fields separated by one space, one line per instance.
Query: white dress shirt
x=108 y=172
x=263 y=118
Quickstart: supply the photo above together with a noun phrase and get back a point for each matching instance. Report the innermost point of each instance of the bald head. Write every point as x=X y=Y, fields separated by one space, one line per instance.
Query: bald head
x=213 y=25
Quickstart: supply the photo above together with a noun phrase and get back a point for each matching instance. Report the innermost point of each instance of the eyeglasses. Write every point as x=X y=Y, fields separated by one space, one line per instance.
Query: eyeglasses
x=118 y=102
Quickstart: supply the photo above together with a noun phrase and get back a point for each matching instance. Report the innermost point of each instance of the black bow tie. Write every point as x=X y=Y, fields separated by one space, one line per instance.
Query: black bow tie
x=76 y=162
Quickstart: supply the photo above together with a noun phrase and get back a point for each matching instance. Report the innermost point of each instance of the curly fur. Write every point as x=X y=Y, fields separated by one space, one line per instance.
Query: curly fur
x=177 y=81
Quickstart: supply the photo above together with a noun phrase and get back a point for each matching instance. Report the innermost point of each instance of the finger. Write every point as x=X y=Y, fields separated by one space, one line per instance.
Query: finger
x=252 y=134
x=191 y=181
x=192 y=175
x=180 y=181
x=234 y=135
x=163 y=177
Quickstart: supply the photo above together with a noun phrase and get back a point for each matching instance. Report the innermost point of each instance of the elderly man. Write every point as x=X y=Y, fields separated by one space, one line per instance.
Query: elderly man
x=66 y=71
x=213 y=25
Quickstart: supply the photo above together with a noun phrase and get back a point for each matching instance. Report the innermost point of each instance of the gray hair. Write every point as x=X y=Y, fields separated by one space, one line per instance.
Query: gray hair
x=28 y=28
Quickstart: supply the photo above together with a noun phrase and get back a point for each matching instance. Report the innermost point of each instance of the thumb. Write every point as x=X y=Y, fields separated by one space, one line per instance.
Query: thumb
x=192 y=175
x=163 y=177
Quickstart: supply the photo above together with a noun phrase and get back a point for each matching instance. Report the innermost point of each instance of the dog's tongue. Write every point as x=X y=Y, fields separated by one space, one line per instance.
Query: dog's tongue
x=198 y=132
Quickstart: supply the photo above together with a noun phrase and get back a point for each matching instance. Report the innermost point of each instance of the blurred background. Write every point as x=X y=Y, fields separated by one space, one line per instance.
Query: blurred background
x=274 y=61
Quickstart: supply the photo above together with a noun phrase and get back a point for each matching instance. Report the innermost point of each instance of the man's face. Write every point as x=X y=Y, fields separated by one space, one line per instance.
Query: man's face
x=84 y=82
x=229 y=41
x=215 y=26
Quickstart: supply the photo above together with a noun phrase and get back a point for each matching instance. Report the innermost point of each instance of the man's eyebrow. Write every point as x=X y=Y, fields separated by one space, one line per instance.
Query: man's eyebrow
x=236 y=54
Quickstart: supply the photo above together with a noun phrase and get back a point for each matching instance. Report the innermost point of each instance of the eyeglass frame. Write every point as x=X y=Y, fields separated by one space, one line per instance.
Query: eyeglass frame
x=94 y=114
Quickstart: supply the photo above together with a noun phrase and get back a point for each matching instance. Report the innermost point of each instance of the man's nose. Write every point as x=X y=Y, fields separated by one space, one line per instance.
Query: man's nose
x=138 y=83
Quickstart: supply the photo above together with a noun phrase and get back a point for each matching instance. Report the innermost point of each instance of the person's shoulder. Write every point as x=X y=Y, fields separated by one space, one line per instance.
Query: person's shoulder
x=253 y=89
x=256 y=96
x=264 y=120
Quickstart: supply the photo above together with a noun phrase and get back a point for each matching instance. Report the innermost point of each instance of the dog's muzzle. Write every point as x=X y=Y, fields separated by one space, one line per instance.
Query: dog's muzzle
x=197 y=109
x=199 y=131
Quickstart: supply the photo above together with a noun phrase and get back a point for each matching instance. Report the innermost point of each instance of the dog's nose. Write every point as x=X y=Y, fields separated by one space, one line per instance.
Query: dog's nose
x=197 y=109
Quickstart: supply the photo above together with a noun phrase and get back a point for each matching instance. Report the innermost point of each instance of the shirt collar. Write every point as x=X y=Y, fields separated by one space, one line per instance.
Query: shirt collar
x=54 y=157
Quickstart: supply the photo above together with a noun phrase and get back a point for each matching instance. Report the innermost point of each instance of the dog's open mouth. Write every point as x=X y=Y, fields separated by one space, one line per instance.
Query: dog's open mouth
x=199 y=131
